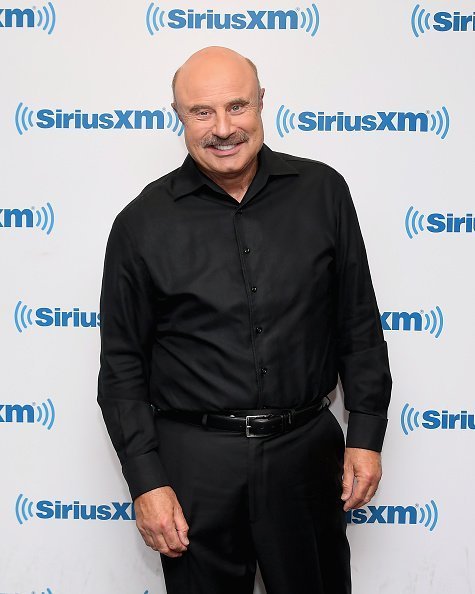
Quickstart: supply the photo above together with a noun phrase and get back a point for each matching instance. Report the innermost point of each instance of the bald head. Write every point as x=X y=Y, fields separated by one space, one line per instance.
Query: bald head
x=211 y=62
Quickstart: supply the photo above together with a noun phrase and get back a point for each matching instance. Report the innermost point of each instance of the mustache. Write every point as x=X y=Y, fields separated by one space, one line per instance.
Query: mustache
x=217 y=141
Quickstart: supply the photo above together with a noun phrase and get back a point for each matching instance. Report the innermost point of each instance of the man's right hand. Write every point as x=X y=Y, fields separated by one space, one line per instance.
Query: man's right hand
x=161 y=522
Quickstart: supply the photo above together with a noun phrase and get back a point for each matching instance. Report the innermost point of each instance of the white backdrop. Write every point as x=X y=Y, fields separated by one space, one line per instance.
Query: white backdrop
x=61 y=188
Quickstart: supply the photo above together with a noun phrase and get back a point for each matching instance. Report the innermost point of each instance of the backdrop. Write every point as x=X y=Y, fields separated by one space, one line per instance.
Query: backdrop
x=381 y=91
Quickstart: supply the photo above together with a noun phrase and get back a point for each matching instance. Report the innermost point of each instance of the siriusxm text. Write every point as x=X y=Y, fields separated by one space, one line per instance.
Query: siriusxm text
x=128 y=119
x=46 y=316
x=392 y=121
x=443 y=419
x=57 y=510
x=438 y=223
x=455 y=21
x=383 y=514
x=17 y=413
x=250 y=19
x=14 y=217
x=16 y=17
x=402 y=320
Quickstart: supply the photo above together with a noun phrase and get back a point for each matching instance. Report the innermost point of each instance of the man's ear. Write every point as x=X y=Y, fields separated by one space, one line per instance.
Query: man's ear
x=175 y=109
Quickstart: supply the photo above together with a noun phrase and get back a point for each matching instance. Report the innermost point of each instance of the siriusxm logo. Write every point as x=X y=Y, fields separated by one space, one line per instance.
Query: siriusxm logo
x=422 y=21
x=43 y=413
x=43 y=18
x=412 y=419
x=415 y=321
x=307 y=19
x=117 y=119
x=427 y=514
x=380 y=121
x=437 y=222
x=47 y=316
x=41 y=218
x=56 y=510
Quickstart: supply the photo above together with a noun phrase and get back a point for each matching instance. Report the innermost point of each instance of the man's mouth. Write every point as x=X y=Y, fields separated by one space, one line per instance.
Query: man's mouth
x=225 y=147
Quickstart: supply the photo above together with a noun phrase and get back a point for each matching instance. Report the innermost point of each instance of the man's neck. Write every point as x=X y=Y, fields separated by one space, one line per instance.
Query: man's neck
x=236 y=184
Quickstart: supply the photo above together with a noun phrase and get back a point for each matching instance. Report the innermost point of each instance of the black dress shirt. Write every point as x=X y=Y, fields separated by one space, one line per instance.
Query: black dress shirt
x=209 y=304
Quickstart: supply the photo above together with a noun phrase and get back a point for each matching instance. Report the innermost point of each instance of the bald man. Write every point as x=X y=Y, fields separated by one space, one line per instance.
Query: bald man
x=236 y=289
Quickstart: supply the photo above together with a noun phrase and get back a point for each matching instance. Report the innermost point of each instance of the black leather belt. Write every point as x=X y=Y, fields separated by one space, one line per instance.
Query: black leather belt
x=251 y=422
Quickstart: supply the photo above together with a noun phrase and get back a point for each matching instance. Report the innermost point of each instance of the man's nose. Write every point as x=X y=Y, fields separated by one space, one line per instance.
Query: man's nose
x=223 y=125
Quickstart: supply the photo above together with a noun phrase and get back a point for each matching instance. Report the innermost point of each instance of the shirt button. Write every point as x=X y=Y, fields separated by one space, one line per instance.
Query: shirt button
x=263 y=370
x=258 y=329
x=246 y=250
x=253 y=289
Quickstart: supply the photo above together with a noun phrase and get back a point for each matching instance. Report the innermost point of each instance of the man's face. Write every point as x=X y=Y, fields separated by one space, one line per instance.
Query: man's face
x=220 y=109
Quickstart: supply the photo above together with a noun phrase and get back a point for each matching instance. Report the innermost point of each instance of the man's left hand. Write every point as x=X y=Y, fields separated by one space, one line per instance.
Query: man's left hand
x=361 y=475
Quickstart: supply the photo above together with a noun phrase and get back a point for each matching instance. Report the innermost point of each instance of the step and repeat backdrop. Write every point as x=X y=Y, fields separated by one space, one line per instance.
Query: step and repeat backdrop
x=384 y=93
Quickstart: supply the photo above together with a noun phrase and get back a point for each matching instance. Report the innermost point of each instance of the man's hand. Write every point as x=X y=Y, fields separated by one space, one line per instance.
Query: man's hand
x=161 y=522
x=361 y=475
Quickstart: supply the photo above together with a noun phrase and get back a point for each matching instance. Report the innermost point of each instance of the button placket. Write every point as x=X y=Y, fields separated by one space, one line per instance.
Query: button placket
x=250 y=288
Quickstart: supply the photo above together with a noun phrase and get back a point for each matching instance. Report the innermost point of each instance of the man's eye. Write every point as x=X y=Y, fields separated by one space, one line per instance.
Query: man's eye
x=203 y=113
x=236 y=107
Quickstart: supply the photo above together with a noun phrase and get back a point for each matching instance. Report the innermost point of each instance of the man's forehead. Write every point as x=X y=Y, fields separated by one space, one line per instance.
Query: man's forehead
x=207 y=93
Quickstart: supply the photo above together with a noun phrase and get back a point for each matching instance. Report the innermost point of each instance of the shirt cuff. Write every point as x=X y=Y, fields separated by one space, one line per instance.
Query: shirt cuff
x=365 y=431
x=144 y=473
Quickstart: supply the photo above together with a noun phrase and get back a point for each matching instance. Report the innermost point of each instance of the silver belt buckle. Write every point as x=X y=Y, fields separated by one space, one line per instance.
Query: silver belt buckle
x=248 y=426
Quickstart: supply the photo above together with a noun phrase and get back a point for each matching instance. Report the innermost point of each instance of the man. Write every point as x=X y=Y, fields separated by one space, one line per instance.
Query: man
x=237 y=286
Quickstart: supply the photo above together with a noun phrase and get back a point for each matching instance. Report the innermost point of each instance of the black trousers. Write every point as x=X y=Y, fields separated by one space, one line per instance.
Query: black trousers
x=273 y=500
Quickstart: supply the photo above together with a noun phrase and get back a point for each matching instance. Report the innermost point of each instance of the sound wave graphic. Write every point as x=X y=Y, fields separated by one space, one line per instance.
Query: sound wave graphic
x=414 y=222
x=284 y=121
x=154 y=18
x=311 y=16
x=45 y=413
x=419 y=20
x=47 y=591
x=409 y=419
x=23 y=118
x=22 y=316
x=434 y=321
x=440 y=123
x=23 y=509
x=46 y=18
x=428 y=515
x=173 y=121
x=45 y=218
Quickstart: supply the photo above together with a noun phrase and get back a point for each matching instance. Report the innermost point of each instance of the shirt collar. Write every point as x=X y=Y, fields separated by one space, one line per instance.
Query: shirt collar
x=189 y=177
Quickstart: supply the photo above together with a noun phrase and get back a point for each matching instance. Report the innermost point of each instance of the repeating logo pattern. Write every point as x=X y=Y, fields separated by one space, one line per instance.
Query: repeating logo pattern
x=41 y=218
x=415 y=321
x=307 y=19
x=27 y=509
x=437 y=222
x=128 y=119
x=442 y=21
x=43 y=18
x=287 y=121
x=427 y=515
x=412 y=419
x=47 y=316
x=43 y=413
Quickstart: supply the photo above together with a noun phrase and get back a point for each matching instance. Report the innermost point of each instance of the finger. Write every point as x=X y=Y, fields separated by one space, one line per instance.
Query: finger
x=357 y=498
x=171 y=537
x=347 y=482
x=163 y=548
x=181 y=525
